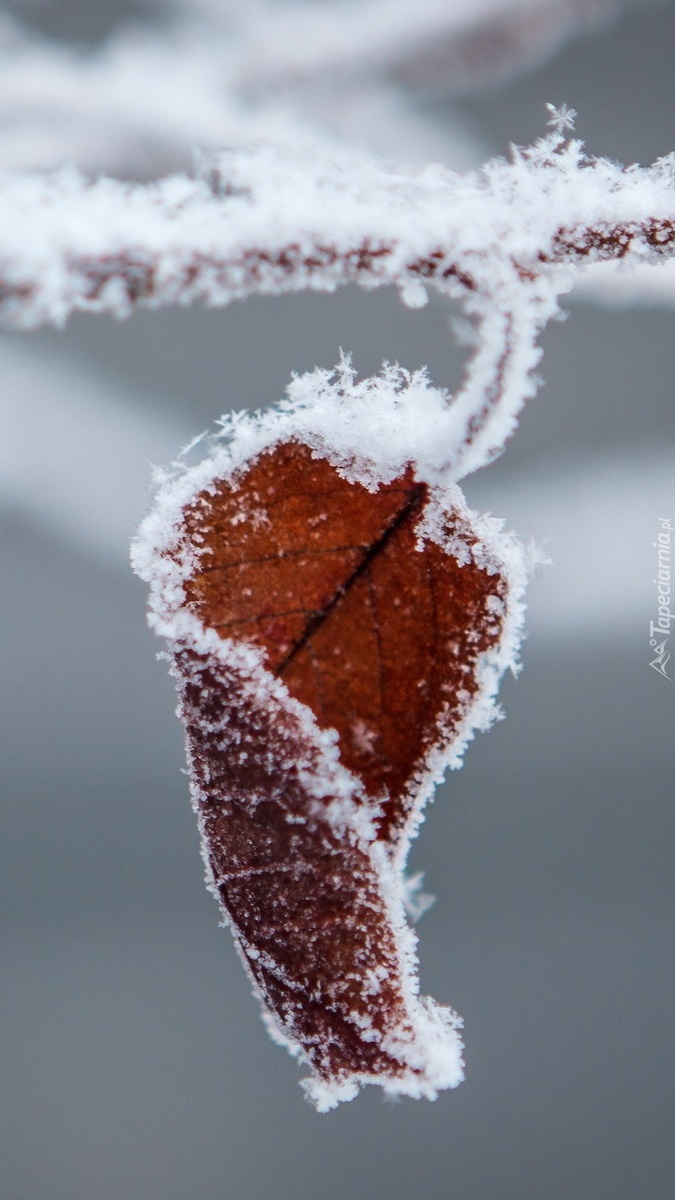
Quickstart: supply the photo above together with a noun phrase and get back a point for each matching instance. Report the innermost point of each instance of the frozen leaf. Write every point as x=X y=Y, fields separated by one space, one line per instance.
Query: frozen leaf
x=377 y=635
x=335 y=637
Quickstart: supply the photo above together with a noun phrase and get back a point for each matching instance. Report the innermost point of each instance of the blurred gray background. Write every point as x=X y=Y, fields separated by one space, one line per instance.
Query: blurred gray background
x=133 y=1062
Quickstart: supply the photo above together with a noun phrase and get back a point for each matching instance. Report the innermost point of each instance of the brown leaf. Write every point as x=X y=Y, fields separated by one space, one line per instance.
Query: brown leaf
x=366 y=626
x=303 y=900
x=378 y=636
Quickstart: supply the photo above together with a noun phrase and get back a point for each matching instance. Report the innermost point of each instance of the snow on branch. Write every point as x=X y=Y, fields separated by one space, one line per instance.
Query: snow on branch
x=271 y=221
x=508 y=241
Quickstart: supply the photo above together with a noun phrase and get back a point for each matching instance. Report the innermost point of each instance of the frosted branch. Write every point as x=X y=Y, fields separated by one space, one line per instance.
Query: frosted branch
x=508 y=241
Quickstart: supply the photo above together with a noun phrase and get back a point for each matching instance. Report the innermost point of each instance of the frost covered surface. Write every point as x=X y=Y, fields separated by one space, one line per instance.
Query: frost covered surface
x=270 y=220
x=296 y=820
x=508 y=241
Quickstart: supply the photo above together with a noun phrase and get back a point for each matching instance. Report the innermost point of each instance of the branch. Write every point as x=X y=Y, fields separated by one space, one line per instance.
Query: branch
x=508 y=241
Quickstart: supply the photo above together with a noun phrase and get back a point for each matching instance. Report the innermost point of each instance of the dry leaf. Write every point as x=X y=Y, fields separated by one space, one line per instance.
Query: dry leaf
x=333 y=644
x=378 y=636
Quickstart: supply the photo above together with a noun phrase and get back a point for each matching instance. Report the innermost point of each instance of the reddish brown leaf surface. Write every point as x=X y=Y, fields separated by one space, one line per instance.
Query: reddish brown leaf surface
x=303 y=900
x=378 y=637
x=378 y=634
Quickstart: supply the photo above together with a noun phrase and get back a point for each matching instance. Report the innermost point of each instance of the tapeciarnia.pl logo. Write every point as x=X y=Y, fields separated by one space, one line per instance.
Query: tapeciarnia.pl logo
x=659 y=630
